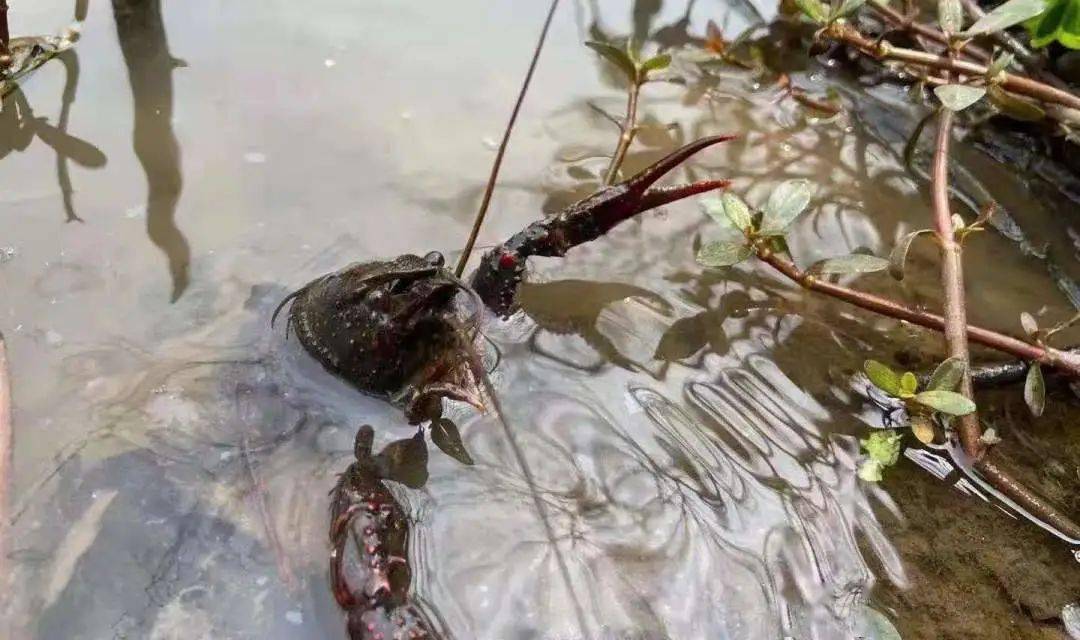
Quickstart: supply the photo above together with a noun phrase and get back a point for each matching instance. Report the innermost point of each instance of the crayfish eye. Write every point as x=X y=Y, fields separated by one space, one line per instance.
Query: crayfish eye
x=435 y=259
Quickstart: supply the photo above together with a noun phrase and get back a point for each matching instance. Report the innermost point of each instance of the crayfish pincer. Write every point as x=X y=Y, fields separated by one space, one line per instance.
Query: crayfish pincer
x=370 y=576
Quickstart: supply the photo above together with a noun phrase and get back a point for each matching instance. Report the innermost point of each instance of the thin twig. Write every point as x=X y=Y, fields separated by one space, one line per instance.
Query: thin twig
x=899 y=21
x=629 y=130
x=490 y=188
x=1066 y=361
x=1010 y=81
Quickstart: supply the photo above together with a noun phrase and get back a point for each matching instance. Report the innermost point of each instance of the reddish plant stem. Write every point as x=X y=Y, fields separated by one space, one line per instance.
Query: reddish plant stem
x=1012 y=82
x=898 y=20
x=1065 y=361
x=629 y=130
x=952 y=282
x=952 y=279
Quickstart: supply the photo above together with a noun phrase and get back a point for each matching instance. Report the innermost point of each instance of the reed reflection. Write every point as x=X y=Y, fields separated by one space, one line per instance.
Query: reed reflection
x=143 y=42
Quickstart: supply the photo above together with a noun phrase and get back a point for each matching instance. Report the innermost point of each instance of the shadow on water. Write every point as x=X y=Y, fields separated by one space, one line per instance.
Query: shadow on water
x=19 y=126
x=141 y=31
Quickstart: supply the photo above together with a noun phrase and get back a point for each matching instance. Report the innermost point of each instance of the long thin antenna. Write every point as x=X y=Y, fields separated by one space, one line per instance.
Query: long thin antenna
x=479 y=221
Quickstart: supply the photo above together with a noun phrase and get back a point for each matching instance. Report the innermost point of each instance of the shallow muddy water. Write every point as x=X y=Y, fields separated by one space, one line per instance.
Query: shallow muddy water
x=690 y=436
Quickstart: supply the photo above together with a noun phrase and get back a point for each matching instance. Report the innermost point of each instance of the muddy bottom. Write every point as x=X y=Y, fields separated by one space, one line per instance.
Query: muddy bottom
x=975 y=571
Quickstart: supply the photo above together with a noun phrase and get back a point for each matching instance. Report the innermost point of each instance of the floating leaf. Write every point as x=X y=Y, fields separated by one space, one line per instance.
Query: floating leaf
x=785 y=204
x=737 y=211
x=1061 y=22
x=1035 y=390
x=656 y=63
x=957 y=97
x=854 y=263
x=723 y=254
x=950 y=15
x=882 y=377
x=615 y=56
x=898 y=257
x=923 y=429
x=948 y=402
x=447 y=438
x=813 y=9
x=1027 y=321
x=947 y=375
x=1004 y=16
x=1014 y=106
x=908 y=384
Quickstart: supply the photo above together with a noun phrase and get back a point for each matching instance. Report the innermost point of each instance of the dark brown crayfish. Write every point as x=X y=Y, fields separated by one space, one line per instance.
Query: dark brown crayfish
x=391 y=328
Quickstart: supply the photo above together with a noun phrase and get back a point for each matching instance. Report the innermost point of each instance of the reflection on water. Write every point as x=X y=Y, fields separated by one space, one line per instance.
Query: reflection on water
x=141 y=31
x=690 y=447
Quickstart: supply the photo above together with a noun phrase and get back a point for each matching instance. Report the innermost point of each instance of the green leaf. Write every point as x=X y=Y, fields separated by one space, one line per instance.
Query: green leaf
x=950 y=15
x=848 y=7
x=615 y=56
x=872 y=625
x=957 y=97
x=948 y=402
x=947 y=375
x=898 y=257
x=785 y=204
x=656 y=63
x=1004 y=16
x=445 y=436
x=1035 y=390
x=999 y=64
x=1060 y=22
x=853 y=263
x=813 y=9
x=1014 y=106
x=1030 y=326
x=883 y=447
x=737 y=212
x=723 y=254
x=908 y=384
x=883 y=377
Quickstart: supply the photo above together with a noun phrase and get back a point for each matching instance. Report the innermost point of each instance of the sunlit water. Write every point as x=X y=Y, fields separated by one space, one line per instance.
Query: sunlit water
x=687 y=435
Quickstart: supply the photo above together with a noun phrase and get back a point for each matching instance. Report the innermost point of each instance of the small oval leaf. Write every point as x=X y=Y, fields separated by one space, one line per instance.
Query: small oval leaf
x=957 y=97
x=723 y=254
x=615 y=56
x=909 y=384
x=656 y=63
x=1002 y=62
x=785 y=204
x=882 y=377
x=854 y=263
x=1035 y=390
x=1014 y=106
x=1030 y=326
x=445 y=436
x=813 y=9
x=950 y=15
x=923 y=429
x=898 y=257
x=737 y=211
x=948 y=402
x=947 y=375
x=1004 y=16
